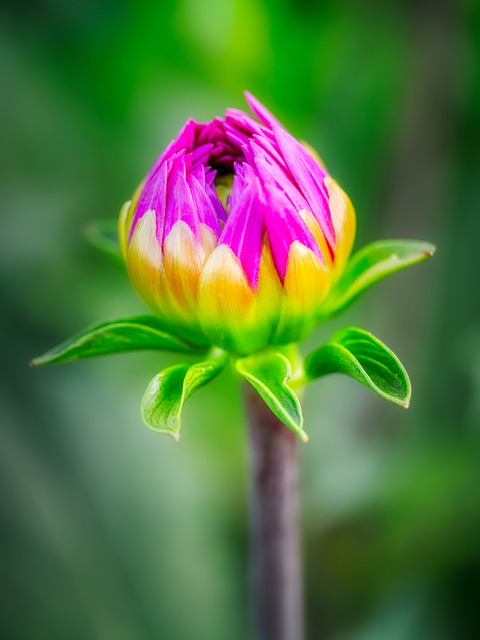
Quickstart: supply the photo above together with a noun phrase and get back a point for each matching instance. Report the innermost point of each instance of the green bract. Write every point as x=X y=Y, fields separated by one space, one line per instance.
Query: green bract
x=125 y=334
x=167 y=392
x=268 y=373
x=360 y=355
x=370 y=264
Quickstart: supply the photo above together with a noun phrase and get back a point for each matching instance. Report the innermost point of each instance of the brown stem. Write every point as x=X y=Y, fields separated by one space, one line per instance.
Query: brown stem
x=276 y=602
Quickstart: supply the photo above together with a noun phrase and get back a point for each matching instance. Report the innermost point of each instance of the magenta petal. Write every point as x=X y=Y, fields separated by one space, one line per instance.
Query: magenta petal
x=238 y=138
x=180 y=204
x=204 y=206
x=271 y=168
x=211 y=131
x=169 y=151
x=238 y=182
x=259 y=156
x=153 y=198
x=261 y=111
x=284 y=226
x=234 y=118
x=205 y=177
x=187 y=136
x=309 y=176
x=265 y=146
x=245 y=175
x=201 y=154
x=271 y=173
x=226 y=160
x=244 y=229
x=224 y=146
x=209 y=175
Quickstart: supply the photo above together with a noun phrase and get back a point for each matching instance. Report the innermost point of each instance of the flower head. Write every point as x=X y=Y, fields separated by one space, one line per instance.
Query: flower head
x=237 y=233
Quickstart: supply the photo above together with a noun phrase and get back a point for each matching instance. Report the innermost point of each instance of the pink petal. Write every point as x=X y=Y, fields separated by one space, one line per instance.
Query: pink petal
x=308 y=175
x=244 y=230
x=261 y=111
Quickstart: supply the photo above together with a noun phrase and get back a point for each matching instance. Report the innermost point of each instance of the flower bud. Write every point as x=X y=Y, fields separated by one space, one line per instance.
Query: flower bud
x=237 y=233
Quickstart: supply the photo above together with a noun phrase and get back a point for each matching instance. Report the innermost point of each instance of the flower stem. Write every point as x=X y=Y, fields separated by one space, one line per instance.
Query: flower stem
x=276 y=585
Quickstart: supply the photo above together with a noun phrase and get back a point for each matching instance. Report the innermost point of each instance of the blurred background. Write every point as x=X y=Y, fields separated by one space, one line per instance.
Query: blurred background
x=110 y=532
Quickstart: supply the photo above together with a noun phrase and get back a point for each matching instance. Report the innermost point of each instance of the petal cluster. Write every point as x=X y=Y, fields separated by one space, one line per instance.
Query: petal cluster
x=237 y=233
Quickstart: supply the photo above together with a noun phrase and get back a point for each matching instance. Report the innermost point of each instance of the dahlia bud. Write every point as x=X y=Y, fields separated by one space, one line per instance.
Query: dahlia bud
x=237 y=233
x=238 y=239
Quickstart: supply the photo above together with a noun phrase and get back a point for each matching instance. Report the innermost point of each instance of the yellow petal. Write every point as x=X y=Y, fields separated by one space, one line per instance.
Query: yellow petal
x=147 y=270
x=123 y=226
x=127 y=213
x=306 y=284
x=232 y=314
x=316 y=232
x=269 y=293
x=183 y=259
x=225 y=298
x=344 y=223
x=145 y=263
x=208 y=240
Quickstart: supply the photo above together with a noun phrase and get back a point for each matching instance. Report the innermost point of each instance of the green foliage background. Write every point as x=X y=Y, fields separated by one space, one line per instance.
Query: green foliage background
x=111 y=532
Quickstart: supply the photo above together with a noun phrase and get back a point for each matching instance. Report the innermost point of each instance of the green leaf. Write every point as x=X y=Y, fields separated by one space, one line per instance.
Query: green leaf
x=103 y=234
x=166 y=394
x=126 y=334
x=370 y=264
x=268 y=374
x=362 y=356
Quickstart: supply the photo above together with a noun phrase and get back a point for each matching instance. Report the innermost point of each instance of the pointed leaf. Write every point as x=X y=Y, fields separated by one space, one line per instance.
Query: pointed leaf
x=103 y=234
x=126 y=334
x=360 y=355
x=370 y=264
x=268 y=374
x=166 y=394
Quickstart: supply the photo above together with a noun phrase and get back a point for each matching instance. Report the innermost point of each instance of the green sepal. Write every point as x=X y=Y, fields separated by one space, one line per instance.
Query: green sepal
x=268 y=373
x=103 y=234
x=360 y=355
x=370 y=264
x=168 y=391
x=126 y=334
